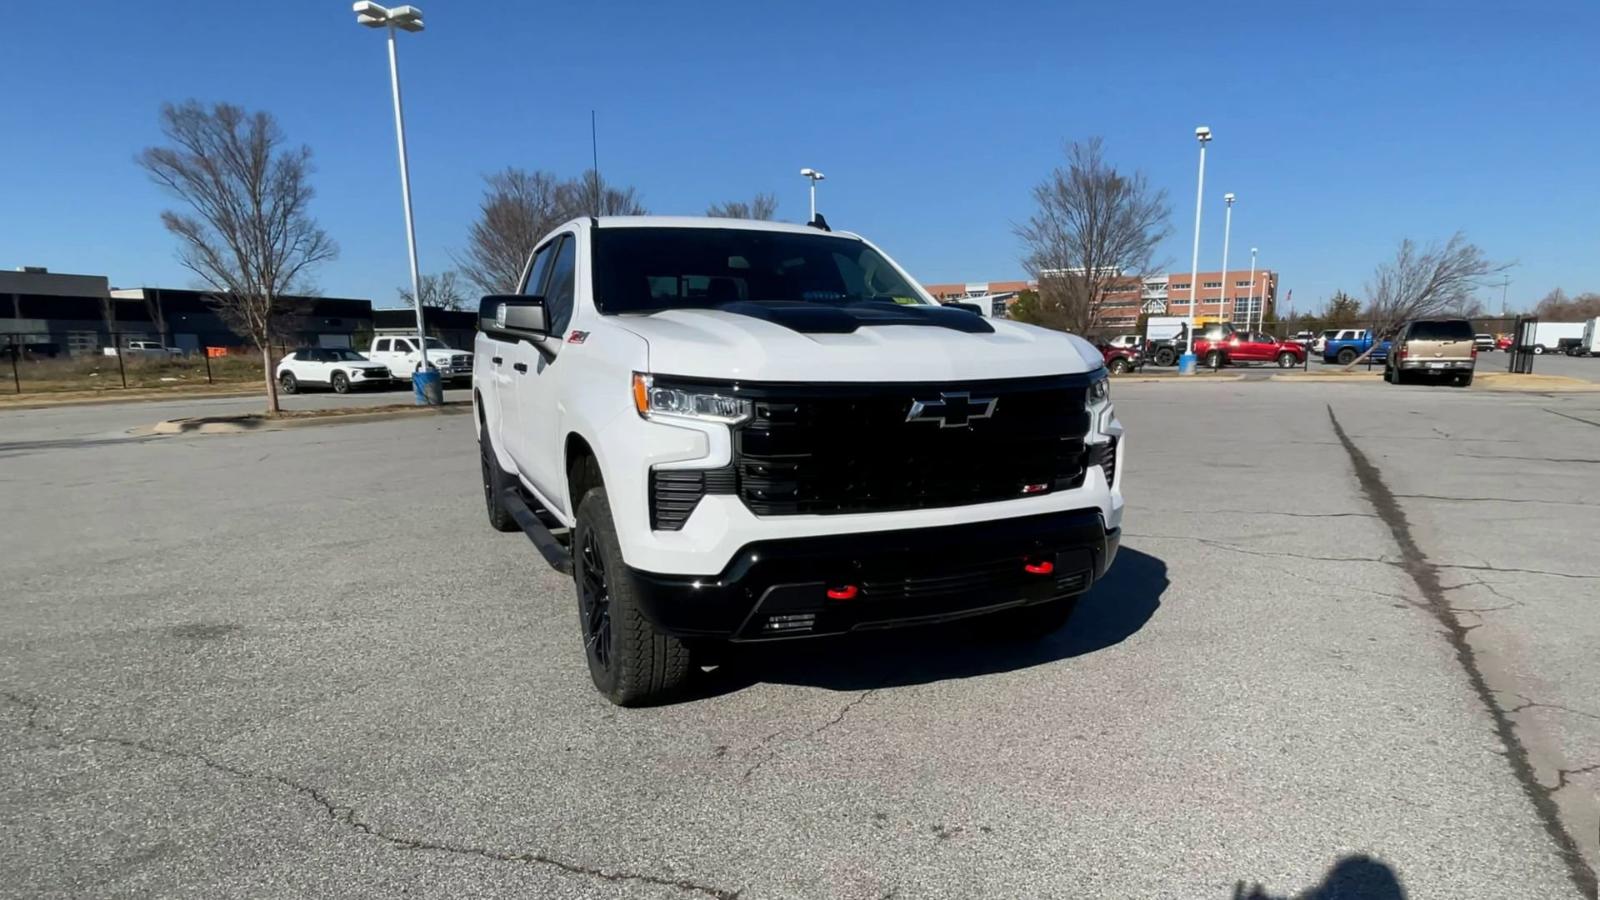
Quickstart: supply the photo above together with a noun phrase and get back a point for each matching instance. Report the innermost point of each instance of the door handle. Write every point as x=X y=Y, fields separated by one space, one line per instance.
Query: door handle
x=520 y=367
x=497 y=360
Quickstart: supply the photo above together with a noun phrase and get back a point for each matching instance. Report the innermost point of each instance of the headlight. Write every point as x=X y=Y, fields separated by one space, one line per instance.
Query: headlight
x=1099 y=387
x=1098 y=401
x=652 y=400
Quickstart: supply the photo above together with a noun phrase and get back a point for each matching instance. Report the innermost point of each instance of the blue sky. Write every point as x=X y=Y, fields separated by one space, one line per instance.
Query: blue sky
x=1342 y=128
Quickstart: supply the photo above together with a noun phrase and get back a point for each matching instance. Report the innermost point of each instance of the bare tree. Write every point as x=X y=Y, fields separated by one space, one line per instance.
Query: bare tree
x=1424 y=281
x=520 y=207
x=1095 y=228
x=1557 y=306
x=439 y=291
x=763 y=206
x=248 y=235
x=591 y=195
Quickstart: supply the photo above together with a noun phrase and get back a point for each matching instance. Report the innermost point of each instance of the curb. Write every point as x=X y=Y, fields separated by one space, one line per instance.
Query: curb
x=253 y=423
x=1197 y=378
x=109 y=401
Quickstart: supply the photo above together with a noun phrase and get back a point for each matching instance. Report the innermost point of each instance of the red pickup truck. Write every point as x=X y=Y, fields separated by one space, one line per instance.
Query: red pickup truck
x=1248 y=347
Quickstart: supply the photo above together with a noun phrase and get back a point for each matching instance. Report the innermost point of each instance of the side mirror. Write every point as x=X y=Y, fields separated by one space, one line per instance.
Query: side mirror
x=516 y=315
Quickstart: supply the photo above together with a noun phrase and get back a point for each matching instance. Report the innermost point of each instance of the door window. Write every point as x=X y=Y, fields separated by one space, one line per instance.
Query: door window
x=563 y=283
x=383 y=346
x=534 y=287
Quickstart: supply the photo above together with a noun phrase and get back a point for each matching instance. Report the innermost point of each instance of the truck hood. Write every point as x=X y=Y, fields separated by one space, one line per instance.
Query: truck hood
x=714 y=343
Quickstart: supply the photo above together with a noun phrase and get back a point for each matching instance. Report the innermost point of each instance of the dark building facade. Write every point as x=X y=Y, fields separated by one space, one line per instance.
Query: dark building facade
x=51 y=314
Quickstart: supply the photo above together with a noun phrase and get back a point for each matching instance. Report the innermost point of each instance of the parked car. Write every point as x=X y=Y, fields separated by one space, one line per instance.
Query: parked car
x=402 y=357
x=1121 y=360
x=1248 y=347
x=339 y=368
x=1322 y=340
x=1348 y=344
x=1130 y=341
x=1436 y=349
x=1503 y=342
x=740 y=431
x=1484 y=342
x=1165 y=351
x=145 y=349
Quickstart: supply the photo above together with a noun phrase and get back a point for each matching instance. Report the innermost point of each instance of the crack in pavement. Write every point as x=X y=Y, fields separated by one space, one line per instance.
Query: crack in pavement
x=348 y=815
x=1573 y=418
x=1488 y=499
x=1563 y=777
x=1426 y=577
x=1553 y=459
x=837 y=718
x=1514 y=571
x=1529 y=703
x=1486 y=586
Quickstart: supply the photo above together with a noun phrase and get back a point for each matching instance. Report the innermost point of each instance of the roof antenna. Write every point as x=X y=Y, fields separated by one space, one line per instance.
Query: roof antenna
x=594 y=150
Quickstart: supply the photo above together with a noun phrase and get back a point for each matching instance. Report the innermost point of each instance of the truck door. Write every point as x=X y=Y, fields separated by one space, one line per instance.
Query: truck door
x=538 y=388
x=516 y=372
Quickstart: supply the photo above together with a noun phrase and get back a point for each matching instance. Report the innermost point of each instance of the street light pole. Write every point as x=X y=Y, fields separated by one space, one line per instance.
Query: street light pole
x=1250 y=310
x=406 y=18
x=1227 y=232
x=814 y=176
x=1186 y=361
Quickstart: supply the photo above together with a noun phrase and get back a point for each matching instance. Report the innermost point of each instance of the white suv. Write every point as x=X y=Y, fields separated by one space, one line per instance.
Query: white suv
x=739 y=431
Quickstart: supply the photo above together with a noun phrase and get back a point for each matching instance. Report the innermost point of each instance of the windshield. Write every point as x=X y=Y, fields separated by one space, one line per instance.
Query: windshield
x=651 y=269
x=436 y=344
x=344 y=353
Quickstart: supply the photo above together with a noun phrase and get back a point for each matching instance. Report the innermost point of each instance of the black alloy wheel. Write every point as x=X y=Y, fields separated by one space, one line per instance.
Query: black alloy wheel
x=594 y=602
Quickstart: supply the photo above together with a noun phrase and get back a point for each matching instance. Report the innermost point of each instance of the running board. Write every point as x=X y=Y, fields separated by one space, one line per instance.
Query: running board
x=550 y=547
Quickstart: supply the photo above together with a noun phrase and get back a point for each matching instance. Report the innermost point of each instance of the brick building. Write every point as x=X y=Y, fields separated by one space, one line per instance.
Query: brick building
x=1221 y=299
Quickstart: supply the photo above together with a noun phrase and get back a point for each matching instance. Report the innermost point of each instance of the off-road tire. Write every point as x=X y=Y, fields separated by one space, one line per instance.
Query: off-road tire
x=1464 y=381
x=495 y=482
x=639 y=665
x=288 y=384
x=341 y=383
x=1166 y=356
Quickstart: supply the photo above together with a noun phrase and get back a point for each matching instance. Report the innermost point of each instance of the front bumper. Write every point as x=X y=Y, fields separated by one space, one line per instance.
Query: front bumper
x=797 y=587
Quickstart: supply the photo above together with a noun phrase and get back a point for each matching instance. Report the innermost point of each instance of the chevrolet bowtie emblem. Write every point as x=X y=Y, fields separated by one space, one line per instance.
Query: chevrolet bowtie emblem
x=953 y=410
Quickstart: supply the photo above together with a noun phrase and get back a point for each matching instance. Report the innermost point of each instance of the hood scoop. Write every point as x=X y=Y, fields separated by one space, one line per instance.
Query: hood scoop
x=821 y=318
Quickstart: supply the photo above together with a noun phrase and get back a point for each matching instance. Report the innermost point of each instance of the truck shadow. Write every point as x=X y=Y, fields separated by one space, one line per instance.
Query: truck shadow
x=1356 y=877
x=1114 y=609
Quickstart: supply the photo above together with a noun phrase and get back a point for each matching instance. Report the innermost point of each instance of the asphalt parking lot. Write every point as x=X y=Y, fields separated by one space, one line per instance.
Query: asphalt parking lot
x=1347 y=651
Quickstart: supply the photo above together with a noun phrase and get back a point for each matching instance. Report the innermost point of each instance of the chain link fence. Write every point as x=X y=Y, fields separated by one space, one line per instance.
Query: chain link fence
x=101 y=361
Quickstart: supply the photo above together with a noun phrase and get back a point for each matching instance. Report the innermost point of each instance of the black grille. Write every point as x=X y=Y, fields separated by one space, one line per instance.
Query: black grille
x=1108 y=461
x=825 y=449
x=674 y=493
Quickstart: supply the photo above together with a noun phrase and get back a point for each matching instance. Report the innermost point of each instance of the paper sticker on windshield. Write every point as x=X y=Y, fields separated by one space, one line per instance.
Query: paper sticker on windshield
x=577 y=337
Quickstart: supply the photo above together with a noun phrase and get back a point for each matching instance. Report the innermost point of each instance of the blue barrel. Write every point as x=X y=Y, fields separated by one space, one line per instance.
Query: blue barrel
x=428 y=388
x=1186 y=364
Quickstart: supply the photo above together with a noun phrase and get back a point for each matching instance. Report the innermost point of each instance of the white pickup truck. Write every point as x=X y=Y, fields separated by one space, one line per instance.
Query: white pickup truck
x=400 y=354
x=730 y=430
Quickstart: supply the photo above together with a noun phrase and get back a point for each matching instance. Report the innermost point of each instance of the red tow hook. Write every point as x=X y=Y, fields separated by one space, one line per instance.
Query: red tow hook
x=1038 y=566
x=843 y=592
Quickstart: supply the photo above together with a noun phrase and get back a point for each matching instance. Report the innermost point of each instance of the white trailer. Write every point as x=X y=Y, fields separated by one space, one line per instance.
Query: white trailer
x=1547 y=336
x=1590 y=345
